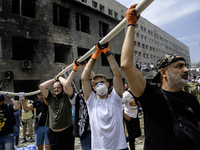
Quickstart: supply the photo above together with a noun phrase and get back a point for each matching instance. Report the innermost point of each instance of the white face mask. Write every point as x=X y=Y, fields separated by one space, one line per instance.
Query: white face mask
x=101 y=89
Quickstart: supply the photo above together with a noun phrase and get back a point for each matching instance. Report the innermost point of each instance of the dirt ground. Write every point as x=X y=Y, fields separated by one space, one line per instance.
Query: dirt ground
x=139 y=142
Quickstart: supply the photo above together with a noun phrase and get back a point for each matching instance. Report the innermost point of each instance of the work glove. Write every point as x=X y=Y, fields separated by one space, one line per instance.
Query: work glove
x=104 y=48
x=83 y=63
x=131 y=15
x=96 y=54
x=75 y=64
x=21 y=96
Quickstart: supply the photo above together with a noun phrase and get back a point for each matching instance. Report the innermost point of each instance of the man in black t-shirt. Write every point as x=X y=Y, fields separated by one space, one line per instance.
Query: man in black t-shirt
x=173 y=76
x=7 y=121
x=40 y=118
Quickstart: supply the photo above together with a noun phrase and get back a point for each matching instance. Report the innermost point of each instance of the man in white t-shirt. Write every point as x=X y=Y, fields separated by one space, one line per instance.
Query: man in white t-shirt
x=130 y=117
x=105 y=110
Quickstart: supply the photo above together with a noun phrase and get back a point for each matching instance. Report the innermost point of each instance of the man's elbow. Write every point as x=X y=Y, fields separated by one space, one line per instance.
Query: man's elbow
x=83 y=78
x=125 y=66
x=41 y=86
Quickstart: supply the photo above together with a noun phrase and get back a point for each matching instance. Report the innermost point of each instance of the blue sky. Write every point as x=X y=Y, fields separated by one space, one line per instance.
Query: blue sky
x=179 y=18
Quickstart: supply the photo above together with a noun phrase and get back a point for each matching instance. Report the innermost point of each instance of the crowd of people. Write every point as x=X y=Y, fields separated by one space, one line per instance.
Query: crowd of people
x=102 y=114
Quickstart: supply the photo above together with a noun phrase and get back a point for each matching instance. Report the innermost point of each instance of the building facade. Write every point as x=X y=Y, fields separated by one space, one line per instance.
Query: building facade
x=40 y=38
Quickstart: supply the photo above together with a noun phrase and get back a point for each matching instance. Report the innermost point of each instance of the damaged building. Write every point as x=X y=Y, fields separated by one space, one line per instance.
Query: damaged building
x=39 y=38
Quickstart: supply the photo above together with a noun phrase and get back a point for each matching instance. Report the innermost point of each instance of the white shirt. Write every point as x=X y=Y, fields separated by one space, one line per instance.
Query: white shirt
x=106 y=122
x=129 y=108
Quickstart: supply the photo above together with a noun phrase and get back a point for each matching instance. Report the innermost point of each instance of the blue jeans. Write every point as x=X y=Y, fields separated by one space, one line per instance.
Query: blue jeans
x=16 y=134
x=86 y=141
x=7 y=142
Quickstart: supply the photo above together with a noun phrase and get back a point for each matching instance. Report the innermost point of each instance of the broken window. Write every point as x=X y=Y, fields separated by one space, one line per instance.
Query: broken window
x=26 y=86
x=0 y=5
x=117 y=58
x=24 y=8
x=116 y=15
x=103 y=29
x=102 y=8
x=62 y=53
x=83 y=51
x=104 y=61
x=94 y=4
x=82 y=23
x=110 y=12
x=85 y=1
x=136 y=53
x=60 y=15
x=24 y=49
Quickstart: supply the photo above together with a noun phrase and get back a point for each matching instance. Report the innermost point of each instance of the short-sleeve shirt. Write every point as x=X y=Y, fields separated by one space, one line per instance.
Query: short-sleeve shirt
x=59 y=111
x=130 y=107
x=6 y=119
x=41 y=106
x=158 y=120
x=106 y=122
x=27 y=114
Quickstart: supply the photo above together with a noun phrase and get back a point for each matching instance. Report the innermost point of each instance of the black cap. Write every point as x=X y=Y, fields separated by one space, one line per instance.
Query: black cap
x=2 y=98
x=164 y=62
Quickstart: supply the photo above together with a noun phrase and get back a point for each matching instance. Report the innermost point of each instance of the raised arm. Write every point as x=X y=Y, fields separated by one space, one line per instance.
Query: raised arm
x=67 y=83
x=117 y=79
x=134 y=77
x=87 y=72
x=27 y=108
x=44 y=87
x=16 y=105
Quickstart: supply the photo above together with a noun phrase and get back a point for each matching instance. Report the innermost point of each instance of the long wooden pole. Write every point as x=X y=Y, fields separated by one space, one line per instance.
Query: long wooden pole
x=139 y=8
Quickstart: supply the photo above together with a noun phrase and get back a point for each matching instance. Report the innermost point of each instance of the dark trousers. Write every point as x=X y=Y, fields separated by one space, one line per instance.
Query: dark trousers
x=130 y=125
x=61 y=140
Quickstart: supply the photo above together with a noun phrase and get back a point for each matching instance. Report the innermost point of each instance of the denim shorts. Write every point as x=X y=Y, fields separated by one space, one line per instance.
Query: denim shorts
x=41 y=135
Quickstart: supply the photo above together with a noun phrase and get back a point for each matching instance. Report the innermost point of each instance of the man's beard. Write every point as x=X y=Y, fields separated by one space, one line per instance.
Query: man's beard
x=176 y=81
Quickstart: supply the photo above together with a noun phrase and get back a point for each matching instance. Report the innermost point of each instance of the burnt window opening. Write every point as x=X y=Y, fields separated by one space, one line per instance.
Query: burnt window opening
x=24 y=49
x=84 y=1
x=82 y=51
x=116 y=15
x=117 y=58
x=0 y=5
x=24 y=8
x=103 y=29
x=102 y=8
x=94 y=4
x=104 y=61
x=26 y=86
x=60 y=16
x=110 y=12
x=82 y=23
x=62 y=53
